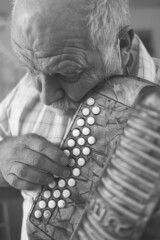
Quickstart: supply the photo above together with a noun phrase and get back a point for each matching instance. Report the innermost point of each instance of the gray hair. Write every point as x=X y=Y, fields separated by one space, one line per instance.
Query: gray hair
x=105 y=19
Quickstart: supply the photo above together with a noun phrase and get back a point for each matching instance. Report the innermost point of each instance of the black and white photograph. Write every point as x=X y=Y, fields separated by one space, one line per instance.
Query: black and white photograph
x=79 y=119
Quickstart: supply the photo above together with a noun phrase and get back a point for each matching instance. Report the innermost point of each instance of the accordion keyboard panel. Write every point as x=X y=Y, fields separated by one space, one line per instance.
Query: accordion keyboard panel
x=92 y=138
x=89 y=143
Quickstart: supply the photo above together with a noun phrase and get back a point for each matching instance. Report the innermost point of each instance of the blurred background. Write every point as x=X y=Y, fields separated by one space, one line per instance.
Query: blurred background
x=145 y=18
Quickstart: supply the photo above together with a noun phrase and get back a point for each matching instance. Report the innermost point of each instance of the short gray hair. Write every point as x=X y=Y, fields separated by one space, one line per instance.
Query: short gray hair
x=105 y=19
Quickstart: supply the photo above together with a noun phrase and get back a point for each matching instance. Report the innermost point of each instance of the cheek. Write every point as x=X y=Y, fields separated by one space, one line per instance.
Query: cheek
x=78 y=90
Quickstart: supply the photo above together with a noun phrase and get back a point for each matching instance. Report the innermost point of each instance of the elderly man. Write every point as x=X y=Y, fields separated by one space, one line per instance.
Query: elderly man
x=68 y=47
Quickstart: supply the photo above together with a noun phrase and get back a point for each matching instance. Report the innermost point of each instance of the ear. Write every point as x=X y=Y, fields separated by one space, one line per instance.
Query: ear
x=126 y=36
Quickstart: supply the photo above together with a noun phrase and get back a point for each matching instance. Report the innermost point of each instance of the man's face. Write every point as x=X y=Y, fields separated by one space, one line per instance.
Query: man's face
x=57 y=51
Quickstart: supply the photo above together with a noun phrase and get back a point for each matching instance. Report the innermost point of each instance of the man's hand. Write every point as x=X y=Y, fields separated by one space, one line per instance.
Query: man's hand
x=28 y=161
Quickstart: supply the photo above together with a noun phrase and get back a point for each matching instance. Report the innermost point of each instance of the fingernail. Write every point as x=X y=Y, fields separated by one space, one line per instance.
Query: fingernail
x=64 y=160
x=66 y=172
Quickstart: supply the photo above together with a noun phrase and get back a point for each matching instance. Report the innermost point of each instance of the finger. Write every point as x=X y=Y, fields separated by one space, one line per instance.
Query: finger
x=43 y=146
x=20 y=184
x=41 y=162
x=29 y=174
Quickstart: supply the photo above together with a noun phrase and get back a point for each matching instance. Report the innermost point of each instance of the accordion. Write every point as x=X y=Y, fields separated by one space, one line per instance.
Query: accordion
x=65 y=208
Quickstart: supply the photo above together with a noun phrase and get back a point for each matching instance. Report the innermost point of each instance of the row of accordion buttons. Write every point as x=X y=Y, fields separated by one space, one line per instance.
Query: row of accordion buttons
x=56 y=197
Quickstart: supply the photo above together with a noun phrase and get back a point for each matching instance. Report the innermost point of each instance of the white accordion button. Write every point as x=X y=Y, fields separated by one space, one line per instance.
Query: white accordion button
x=72 y=162
x=90 y=101
x=52 y=204
x=76 y=152
x=52 y=184
x=80 y=122
x=61 y=203
x=96 y=110
x=71 y=143
x=66 y=193
x=76 y=132
x=86 y=131
x=61 y=183
x=76 y=172
x=81 y=141
x=85 y=112
x=91 y=120
x=67 y=152
x=81 y=162
x=47 y=194
x=91 y=140
x=42 y=204
x=47 y=214
x=37 y=214
x=86 y=151
x=57 y=193
x=71 y=182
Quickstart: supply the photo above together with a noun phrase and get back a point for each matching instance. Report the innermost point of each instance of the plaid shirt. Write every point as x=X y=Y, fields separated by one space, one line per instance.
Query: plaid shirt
x=22 y=112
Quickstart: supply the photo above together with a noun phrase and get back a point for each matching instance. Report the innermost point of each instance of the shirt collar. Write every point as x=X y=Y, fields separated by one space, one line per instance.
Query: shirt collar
x=142 y=64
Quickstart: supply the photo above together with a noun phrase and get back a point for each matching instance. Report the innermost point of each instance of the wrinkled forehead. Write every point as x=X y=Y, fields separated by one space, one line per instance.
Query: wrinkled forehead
x=38 y=22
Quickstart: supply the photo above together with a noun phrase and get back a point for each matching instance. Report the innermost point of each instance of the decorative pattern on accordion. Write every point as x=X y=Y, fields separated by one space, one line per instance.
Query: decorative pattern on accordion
x=93 y=136
x=128 y=190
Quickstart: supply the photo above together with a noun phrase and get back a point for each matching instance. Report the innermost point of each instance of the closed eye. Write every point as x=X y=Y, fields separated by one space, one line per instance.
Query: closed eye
x=69 y=78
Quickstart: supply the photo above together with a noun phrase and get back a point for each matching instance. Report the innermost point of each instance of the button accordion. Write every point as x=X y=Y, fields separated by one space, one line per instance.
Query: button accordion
x=111 y=178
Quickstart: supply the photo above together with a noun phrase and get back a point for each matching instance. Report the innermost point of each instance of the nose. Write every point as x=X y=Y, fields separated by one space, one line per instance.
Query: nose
x=50 y=89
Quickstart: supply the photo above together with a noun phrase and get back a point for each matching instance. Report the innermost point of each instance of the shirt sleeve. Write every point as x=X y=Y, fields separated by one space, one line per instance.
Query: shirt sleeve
x=5 y=107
